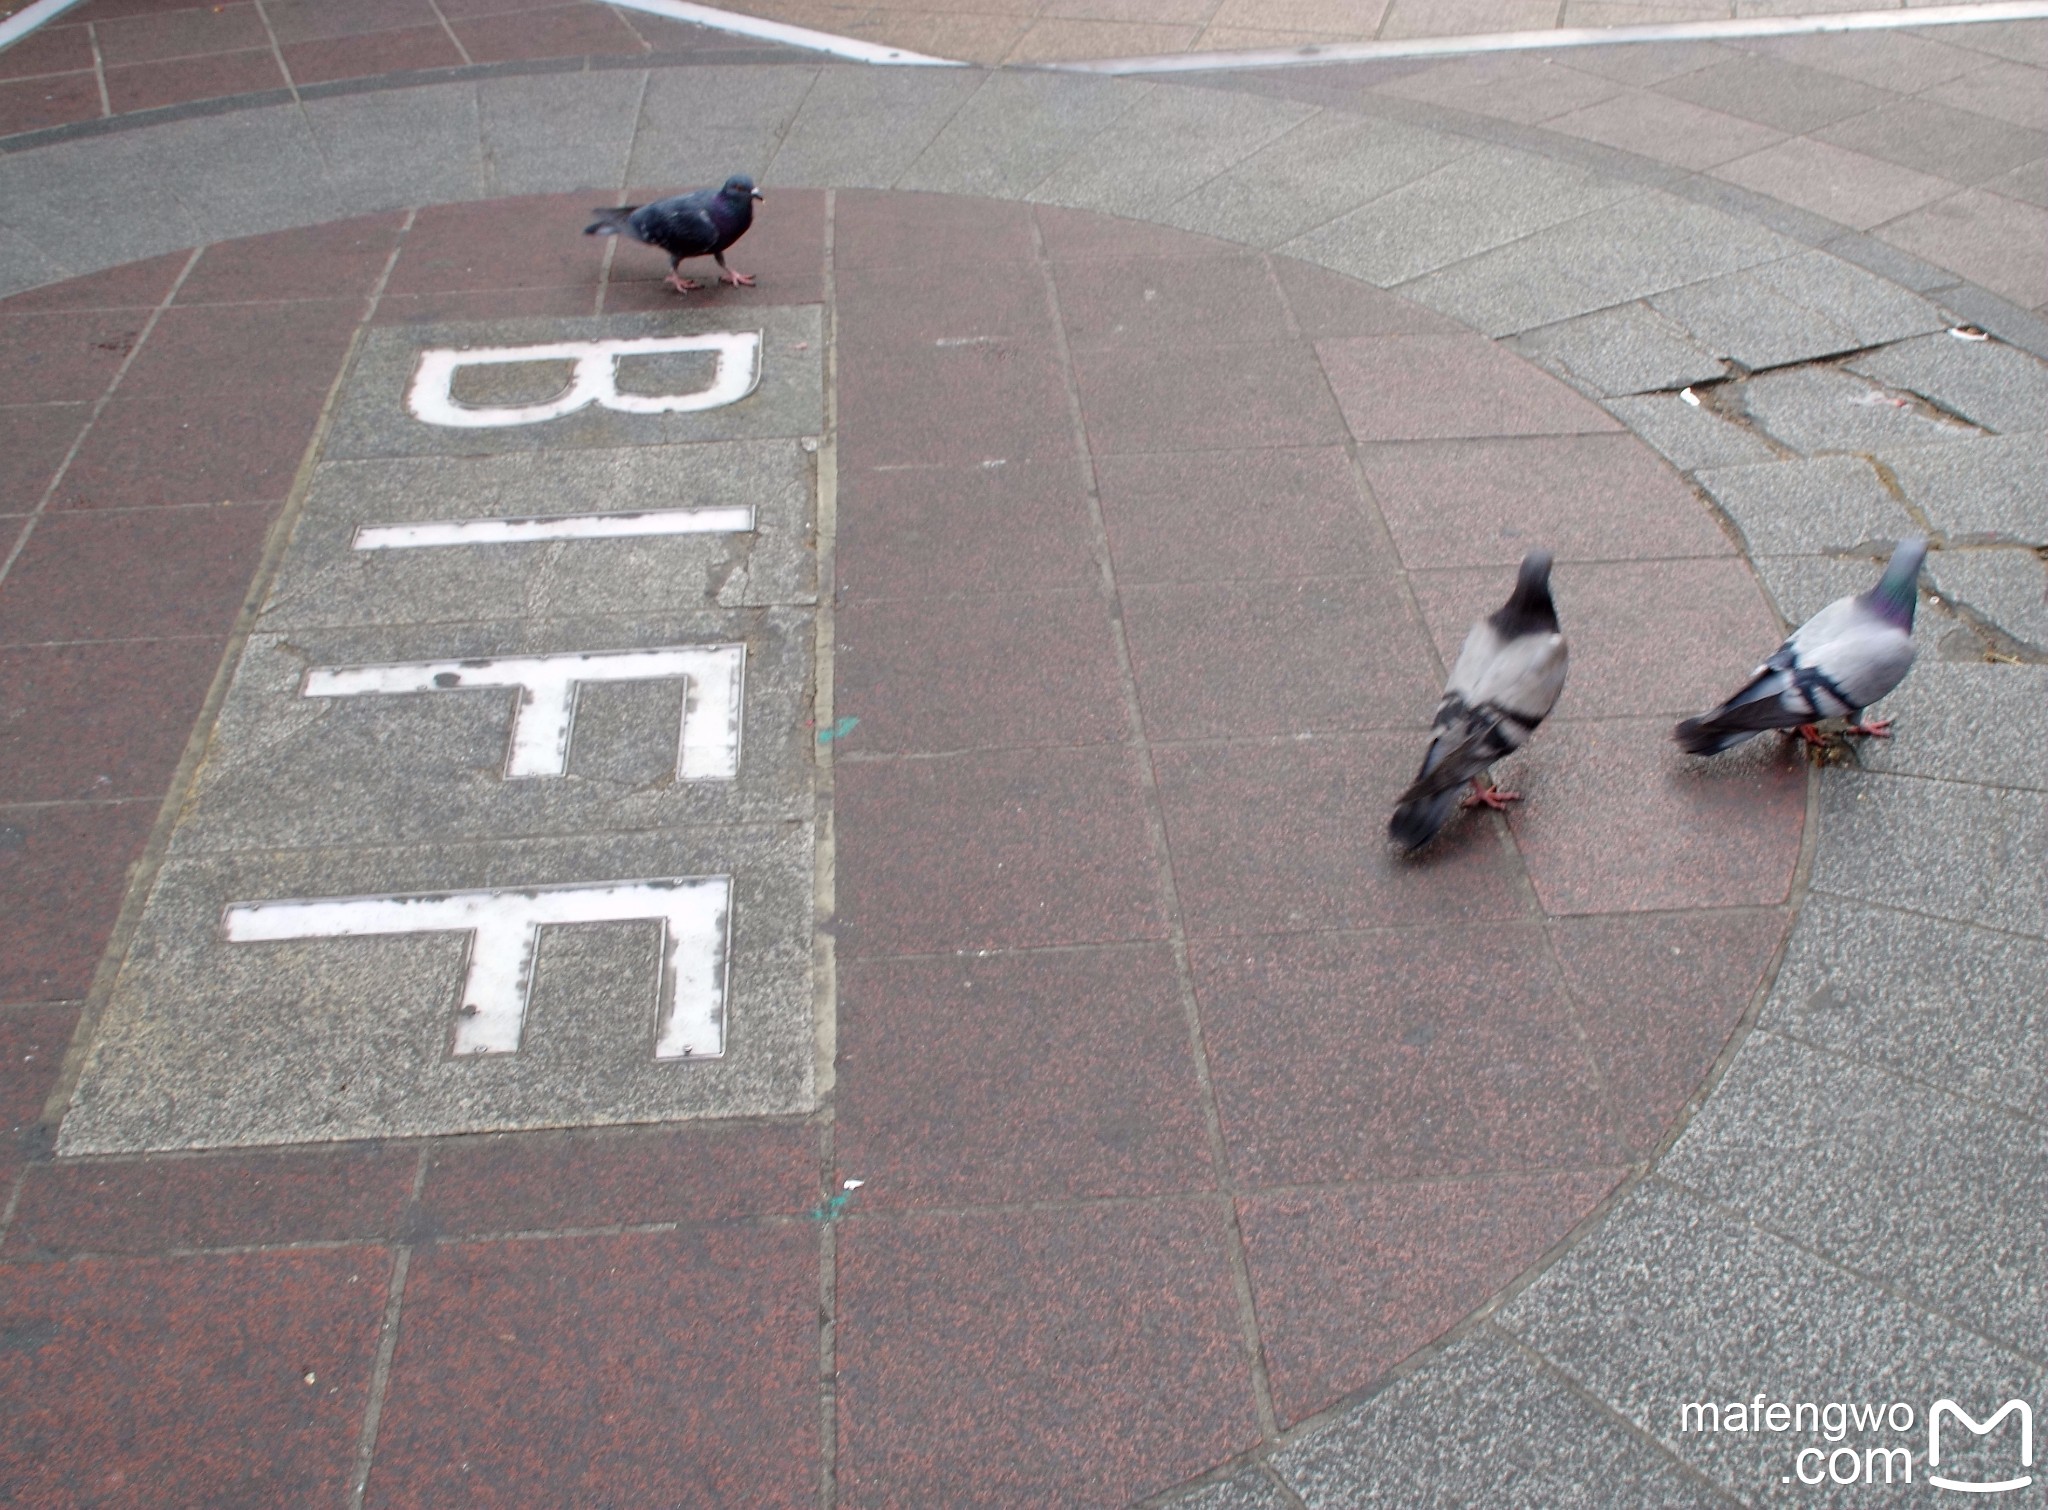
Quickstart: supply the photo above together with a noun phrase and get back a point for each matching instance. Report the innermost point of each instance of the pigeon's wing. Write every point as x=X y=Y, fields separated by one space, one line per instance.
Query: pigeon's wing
x=682 y=226
x=1865 y=661
x=1791 y=688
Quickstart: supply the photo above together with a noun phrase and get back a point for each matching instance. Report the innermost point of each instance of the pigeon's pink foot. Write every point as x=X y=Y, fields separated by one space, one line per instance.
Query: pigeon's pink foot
x=1876 y=728
x=1812 y=735
x=738 y=280
x=1491 y=796
x=681 y=284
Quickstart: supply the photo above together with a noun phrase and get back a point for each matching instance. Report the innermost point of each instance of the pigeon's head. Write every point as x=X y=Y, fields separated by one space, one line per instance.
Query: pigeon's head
x=1898 y=590
x=1528 y=608
x=739 y=186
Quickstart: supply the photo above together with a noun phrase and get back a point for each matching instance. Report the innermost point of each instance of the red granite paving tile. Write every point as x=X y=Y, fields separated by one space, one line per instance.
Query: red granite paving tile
x=1618 y=820
x=931 y=675
x=1431 y=387
x=1238 y=658
x=179 y=32
x=99 y=721
x=561 y=31
x=205 y=448
x=113 y=574
x=527 y=1182
x=996 y=402
x=1351 y=1281
x=1220 y=398
x=146 y=1206
x=34 y=440
x=1084 y=235
x=1237 y=515
x=1002 y=849
x=64 y=357
x=367 y=56
x=484 y=304
x=38 y=104
x=1407 y=1054
x=1273 y=837
x=1645 y=636
x=132 y=285
x=645 y=1369
x=317 y=20
x=1070 y=1357
x=875 y=228
x=63 y=872
x=145 y=86
x=1328 y=305
x=1660 y=997
x=1180 y=302
x=897 y=313
x=111 y=10
x=1044 y=1076
x=340 y=260
x=461 y=9
x=48 y=49
x=1489 y=502
x=140 y=1382
x=33 y=1040
x=250 y=352
x=930 y=531
x=677 y=36
x=503 y=243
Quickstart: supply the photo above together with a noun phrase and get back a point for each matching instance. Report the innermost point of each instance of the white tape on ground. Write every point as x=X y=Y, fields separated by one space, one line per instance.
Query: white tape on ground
x=779 y=31
x=22 y=22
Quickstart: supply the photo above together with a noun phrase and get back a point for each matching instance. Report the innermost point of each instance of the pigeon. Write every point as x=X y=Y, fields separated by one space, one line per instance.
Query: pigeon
x=1506 y=681
x=701 y=223
x=1836 y=664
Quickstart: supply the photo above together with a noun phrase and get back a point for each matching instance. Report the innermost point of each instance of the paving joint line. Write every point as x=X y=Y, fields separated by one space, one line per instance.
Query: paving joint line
x=387 y=1346
x=1785 y=1033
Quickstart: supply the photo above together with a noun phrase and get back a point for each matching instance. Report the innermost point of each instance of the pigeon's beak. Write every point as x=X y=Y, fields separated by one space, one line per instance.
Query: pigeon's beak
x=759 y=195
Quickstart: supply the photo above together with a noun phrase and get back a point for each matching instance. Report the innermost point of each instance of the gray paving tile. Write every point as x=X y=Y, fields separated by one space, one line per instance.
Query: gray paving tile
x=2008 y=587
x=546 y=132
x=97 y=203
x=1805 y=507
x=1848 y=187
x=24 y=264
x=2020 y=41
x=1486 y=199
x=1971 y=853
x=399 y=147
x=1669 y=130
x=860 y=127
x=1016 y=129
x=1673 y=1302
x=1641 y=63
x=1998 y=243
x=1958 y=145
x=2028 y=182
x=1897 y=60
x=1321 y=169
x=1690 y=436
x=1808 y=305
x=1483 y=1424
x=1987 y=382
x=1966 y=720
x=1627 y=349
x=1989 y=486
x=2014 y=92
x=700 y=125
x=237 y=174
x=1623 y=251
x=1521 y=87
x=1776 y=93
x=1942 y=1201
x=1247 y=1489
x=1801 y=586
x=1166 y=146
x=1821 y=409
x=1959 y=1007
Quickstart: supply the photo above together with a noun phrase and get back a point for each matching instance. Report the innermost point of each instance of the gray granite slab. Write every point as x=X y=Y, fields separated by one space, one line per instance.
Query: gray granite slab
x=24 y=264
x=240 y=173
x=96 y=203
x=1801 y=586
x=1485 y=1424
x=861 y=127
x=1822 y=409
x=1805 y=306
x=1777 y=93
x=1957 y=1007
x=1016 y=129
x=1690 y=436
x=1959 y=145
x=1965 y=720
x=702 y=125
x=2007 y=587
x=1986 y=382
x=1164 y=147
x=1247 y=1489
x=1623 y=350
x=208 y=1044
x=402 y=147
x=1952 y=850
x=546 y=132
x=1943 y=1201
x=1807 y=506
x=1990 y=487
x=372 y=420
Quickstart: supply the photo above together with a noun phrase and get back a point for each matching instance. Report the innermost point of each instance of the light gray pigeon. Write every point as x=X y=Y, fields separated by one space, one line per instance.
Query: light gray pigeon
x=1836 y=664
x=1506 y=681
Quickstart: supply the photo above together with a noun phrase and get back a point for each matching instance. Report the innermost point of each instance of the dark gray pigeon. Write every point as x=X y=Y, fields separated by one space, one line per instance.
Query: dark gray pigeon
x=1836 y=664
x=1505 y=683
x=701 y=223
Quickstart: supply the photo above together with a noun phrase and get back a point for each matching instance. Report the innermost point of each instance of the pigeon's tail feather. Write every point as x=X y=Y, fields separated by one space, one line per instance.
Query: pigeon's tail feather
x=1709 y=736
x=611 y=222
x=1416 y=821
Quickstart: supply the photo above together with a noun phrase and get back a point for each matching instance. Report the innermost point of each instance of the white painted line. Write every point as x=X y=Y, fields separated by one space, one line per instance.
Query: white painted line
x=694 y=911
x=737 y=519
x=708 y=748
x=593 y=379
x=24 y=21
x=780 y=31
x=1570 y=36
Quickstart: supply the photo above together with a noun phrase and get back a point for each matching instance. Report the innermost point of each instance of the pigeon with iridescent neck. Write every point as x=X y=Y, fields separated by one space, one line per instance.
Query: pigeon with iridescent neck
x=1836 y=664
x=701 y=223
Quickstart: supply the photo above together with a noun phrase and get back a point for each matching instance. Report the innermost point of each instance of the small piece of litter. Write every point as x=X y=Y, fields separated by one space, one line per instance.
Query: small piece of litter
x=309 y=1378
x=1968 y=333
x=851 y=1184
x=840 y=730
x=1691 y=398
